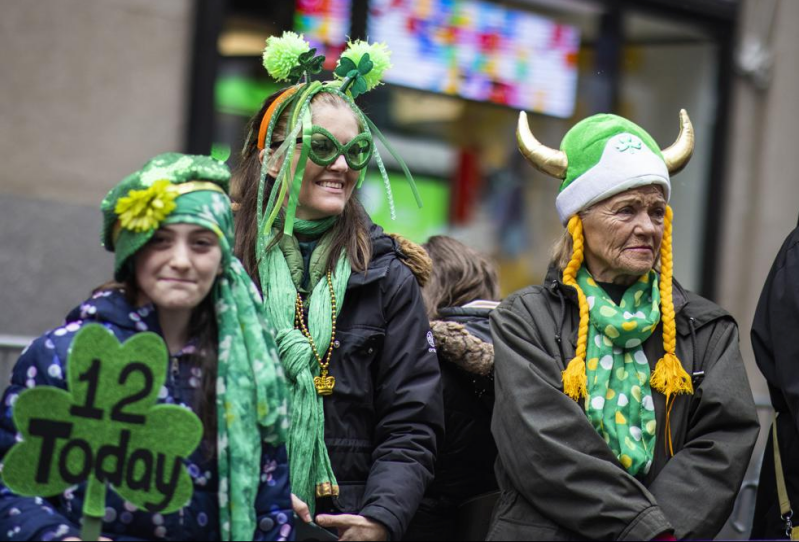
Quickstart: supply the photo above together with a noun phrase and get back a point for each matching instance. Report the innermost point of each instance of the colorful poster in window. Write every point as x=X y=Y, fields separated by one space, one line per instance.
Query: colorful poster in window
x=326 y=25
x=480 y=51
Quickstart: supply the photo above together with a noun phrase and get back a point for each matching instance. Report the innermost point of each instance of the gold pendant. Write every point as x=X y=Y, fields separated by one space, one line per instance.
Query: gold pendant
x=324 y=384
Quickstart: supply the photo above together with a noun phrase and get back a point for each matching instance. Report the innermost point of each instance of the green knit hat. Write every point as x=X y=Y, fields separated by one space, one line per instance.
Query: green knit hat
x=161 y=193
x=605 y=155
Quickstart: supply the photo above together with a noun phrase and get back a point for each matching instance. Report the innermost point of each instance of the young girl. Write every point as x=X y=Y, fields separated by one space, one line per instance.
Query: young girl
x=170 y=226
x=351 y=324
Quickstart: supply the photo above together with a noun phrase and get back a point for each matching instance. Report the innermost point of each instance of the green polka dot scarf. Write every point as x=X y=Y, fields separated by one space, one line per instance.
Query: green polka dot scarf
x=619 y=402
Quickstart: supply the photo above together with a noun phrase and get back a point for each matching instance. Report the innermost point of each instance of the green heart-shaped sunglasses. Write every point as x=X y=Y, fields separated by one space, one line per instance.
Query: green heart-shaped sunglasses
x=325 y=148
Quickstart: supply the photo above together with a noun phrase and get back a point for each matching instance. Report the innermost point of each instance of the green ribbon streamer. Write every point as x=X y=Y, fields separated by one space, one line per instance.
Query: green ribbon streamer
x=399 y=160
x=280 y=187
x=301 y=108
x=294 y=196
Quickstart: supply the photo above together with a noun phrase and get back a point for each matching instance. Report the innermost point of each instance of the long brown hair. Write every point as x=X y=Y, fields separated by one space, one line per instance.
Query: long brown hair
x=351 y=233
x=460 y=275
x=203 y=329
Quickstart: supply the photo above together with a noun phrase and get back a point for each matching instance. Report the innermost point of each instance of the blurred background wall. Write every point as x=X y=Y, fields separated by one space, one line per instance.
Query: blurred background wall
x=91 y=89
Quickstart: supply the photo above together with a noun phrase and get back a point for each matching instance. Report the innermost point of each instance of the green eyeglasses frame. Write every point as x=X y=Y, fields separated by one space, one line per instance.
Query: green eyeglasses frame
x=355 y=160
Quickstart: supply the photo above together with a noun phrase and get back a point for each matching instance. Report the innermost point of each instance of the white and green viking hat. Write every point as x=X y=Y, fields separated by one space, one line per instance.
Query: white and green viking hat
x=600 y=157
x=604 y=155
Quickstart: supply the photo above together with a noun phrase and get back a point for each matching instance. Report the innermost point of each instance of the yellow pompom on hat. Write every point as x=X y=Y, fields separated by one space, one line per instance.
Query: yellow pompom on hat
x=602 y=156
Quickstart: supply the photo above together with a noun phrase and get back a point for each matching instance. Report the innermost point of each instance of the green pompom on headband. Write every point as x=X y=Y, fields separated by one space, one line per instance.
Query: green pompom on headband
x=360 y=69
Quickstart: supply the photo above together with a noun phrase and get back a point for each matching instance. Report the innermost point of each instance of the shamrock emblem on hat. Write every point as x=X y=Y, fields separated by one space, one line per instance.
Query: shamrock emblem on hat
x=628 y=142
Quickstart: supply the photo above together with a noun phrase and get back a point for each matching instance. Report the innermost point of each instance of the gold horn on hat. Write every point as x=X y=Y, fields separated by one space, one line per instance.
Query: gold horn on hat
x=550 y=161
x=677 y=156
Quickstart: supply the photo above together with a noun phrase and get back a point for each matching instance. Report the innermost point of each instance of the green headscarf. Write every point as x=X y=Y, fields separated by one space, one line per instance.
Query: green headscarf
x=251 y=394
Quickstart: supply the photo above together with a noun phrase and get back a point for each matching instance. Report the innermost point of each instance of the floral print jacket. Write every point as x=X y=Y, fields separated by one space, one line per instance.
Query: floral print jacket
x=43 y=364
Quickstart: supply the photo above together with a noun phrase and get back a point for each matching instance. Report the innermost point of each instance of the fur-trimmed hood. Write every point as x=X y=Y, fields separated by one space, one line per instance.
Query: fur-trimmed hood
x=414 y=257
x=463 y=337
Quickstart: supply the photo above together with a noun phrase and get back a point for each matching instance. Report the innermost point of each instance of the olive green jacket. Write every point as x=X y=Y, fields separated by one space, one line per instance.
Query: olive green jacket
x=559 y=479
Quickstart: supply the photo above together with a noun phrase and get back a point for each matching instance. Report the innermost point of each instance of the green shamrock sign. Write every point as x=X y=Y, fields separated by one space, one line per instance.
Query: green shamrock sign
x=106 y=429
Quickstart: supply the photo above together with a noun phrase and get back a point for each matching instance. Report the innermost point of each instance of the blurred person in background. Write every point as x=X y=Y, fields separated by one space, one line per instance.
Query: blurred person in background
x=460 y=295
x=352 y=330
x=602 y=432
x=170 y=226
x=777 y=353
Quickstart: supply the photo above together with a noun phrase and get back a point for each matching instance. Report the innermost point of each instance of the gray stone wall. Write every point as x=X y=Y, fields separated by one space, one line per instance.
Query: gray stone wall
x=51 y=259
x=91 y=89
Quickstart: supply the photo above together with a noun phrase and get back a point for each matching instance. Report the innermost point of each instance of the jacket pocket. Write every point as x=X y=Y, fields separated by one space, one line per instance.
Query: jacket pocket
x=349 y=500
x=515 y=519
x=505 y=529
x=355 y=352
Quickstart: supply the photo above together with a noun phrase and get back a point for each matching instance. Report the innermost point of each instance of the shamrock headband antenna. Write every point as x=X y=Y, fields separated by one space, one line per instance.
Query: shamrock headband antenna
x=291 y=59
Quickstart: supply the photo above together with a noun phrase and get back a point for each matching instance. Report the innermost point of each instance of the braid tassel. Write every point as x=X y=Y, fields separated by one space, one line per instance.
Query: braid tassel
x=575 y=381
x=669 y=377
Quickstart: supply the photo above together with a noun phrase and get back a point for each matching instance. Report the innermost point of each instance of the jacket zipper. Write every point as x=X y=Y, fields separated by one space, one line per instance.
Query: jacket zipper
x=174 y=376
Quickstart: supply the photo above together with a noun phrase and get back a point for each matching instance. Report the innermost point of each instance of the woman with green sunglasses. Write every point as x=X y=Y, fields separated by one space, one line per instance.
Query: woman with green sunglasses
x=352 y=330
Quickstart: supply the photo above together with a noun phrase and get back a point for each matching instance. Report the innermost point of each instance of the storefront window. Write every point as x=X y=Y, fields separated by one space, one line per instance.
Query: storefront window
x=458 y=135
x=668 y=66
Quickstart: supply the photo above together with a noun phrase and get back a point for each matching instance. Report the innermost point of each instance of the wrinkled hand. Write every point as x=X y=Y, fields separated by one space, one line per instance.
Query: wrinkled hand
x=352 y=527
x=300 y=508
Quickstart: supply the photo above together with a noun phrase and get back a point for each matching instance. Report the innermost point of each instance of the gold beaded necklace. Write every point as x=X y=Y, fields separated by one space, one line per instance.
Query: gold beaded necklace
x=324 y=382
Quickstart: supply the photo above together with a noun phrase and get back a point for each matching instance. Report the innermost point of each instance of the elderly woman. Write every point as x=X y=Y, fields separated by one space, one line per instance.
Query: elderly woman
x=602 y=432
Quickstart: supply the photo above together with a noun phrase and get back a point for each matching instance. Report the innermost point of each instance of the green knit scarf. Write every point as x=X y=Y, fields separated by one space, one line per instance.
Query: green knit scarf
x=311 y=471
x=619 y=402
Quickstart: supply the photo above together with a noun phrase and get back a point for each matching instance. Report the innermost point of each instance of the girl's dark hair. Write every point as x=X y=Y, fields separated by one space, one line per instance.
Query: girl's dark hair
x=351 y=232
x=460 y=275
x=203 y=329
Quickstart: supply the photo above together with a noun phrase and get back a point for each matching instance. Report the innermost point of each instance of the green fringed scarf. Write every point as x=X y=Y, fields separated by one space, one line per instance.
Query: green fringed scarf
x=251 y=398
x=619 y=402
x=311 y=471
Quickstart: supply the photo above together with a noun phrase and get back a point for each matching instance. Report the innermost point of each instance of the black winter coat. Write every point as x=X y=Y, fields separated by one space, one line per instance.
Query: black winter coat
x=777 y=352
x=465 y=467
x=384 y=419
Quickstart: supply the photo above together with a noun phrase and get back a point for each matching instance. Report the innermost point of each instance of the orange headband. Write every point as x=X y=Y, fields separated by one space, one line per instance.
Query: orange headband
x=280 y=100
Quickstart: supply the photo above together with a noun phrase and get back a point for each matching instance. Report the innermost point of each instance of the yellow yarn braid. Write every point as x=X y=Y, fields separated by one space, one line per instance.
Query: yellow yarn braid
x=669 y=377
x=575 y=382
